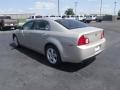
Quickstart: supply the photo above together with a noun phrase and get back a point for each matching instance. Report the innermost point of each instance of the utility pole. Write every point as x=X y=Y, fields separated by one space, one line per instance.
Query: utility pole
x=115 y=4
x=76 y=3
x=58 y=8
x=101 y=2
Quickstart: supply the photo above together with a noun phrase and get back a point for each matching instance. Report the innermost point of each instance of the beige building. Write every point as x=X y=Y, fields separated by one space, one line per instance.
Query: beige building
x=19 y=16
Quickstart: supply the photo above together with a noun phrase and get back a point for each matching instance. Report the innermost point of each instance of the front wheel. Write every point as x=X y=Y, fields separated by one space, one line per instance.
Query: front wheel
x=15 y=41
x=52 y=55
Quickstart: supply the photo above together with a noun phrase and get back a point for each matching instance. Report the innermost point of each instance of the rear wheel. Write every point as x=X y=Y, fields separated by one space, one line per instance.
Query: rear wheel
x=52 y=55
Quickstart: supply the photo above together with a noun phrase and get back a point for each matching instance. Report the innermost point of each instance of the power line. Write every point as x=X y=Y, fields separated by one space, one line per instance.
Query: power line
x=76 y=3
x=58 y=8
x=115 y=4
x=101 y=2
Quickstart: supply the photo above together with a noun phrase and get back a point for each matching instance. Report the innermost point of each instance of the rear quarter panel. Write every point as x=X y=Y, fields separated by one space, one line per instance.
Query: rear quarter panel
x=62 y=40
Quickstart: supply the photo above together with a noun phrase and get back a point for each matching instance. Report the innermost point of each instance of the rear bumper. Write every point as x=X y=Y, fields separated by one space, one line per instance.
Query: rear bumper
x=80 y=53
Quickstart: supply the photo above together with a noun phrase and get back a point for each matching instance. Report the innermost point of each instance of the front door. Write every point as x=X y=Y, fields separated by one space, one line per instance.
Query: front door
x=26 y=32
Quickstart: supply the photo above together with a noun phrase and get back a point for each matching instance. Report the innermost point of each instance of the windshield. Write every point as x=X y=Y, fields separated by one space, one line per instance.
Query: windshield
x=71 y=24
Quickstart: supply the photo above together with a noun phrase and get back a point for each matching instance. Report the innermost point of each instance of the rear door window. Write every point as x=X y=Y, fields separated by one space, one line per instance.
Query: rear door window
x=41 y=25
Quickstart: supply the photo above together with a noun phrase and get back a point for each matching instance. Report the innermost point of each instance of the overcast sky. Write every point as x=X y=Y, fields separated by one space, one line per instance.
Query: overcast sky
x=49 y=7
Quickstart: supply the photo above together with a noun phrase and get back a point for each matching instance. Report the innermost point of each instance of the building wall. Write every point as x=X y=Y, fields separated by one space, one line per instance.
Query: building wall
x=19 y=16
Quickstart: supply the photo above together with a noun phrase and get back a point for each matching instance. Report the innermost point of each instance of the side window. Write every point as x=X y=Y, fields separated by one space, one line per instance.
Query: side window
x=28 y=26
x=41 y=25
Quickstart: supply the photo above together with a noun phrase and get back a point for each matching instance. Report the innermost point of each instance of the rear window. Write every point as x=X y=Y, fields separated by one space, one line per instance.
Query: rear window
x=71 y=24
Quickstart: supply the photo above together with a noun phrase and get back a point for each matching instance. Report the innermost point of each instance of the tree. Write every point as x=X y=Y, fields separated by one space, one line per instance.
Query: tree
x=119 y=13
x=69 y=12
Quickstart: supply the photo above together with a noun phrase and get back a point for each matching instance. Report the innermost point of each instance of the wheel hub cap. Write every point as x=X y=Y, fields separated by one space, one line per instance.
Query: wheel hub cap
x=52 y=55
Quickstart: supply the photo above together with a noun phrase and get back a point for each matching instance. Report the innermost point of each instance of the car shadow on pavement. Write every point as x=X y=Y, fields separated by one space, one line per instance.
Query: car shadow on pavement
x=66 y=67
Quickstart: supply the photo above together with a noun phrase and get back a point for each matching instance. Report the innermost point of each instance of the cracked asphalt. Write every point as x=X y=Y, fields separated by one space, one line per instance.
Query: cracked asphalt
x=24 y=69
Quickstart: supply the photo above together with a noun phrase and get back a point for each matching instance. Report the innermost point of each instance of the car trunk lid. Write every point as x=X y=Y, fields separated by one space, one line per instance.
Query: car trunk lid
x=92 y=33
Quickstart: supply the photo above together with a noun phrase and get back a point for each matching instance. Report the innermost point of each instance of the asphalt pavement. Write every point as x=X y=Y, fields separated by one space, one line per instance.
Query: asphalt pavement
x=24 y=69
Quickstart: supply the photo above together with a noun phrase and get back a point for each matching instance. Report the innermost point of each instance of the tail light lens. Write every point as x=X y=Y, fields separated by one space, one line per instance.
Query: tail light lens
x=102 y=35
x=83 y=40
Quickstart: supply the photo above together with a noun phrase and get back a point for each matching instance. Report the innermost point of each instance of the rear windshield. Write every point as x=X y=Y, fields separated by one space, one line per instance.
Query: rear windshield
x=71 y=24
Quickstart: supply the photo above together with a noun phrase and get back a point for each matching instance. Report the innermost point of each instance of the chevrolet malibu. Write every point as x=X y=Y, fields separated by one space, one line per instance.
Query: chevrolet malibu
x=62 y=40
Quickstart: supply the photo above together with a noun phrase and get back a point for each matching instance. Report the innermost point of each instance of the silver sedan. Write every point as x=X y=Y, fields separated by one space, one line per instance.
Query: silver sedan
x=62 y=40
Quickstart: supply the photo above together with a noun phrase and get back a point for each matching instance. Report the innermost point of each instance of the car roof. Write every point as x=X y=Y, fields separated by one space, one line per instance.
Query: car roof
x=47 y=19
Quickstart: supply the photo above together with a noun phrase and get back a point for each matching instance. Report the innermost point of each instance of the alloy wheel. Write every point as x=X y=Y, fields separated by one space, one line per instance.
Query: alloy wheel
x=52 y=55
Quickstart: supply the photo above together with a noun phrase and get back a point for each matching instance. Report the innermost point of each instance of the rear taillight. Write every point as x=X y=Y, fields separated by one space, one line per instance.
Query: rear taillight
x=83 y=40
x=102 y=35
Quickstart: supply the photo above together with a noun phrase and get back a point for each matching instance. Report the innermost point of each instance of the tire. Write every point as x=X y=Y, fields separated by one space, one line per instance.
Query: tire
x=15 y=41
x=1 y=28
x=52 y=55
x=84 y=20
x=88 y=21
x=15 y=28
x=97 y=20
